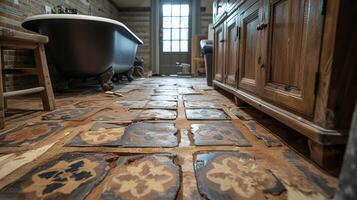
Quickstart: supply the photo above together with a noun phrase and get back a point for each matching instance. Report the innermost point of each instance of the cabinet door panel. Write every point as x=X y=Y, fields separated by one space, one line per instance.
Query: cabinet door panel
x=249 y=46
x=219 y=52
x=231 y=51
x=293 y=46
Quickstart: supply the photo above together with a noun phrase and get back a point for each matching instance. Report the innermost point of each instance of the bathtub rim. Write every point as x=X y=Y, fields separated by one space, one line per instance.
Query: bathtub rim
x=78 y=17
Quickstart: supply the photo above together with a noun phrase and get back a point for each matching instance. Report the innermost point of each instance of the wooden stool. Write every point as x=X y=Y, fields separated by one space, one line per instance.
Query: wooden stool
x=11 y=40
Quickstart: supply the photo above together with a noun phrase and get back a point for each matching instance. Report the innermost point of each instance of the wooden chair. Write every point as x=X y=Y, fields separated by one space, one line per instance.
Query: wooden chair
x=10 y=40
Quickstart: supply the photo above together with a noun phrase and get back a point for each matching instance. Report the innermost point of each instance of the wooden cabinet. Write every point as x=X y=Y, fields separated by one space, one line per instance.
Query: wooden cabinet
x=291 y=34
x=219 y=47
x=284 y=58
x=249 y=48
x=231 y=53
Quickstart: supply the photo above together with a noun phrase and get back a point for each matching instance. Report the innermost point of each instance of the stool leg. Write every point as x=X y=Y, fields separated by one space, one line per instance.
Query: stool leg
x=48 y=99
x=3 y=75
x=2 y=109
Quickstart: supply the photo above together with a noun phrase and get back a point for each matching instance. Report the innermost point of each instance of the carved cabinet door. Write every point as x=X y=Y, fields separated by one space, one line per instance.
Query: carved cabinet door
x=219 y=48
x=232 y=56
x=291 y=45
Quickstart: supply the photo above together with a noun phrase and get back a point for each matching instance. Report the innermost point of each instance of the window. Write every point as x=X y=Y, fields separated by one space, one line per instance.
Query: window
x=175 y=26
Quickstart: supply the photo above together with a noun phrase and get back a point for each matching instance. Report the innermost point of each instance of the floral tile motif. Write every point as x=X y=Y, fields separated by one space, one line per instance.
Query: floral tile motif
x=206 y=114
x=234 y=175
x=148 y=177
x=157 y=114
x=164 y=98
x=89 y=104
x=28 y=134
x=269 y=140
x=201 y=104
x=218 y=134
x=71 y=176
x=162 y=104
x=70 y=114
x=132 y=103
x=145 y=134
x=100 y=134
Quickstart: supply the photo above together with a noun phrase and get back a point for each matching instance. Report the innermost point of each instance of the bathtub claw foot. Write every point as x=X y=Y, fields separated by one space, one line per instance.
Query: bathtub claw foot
x=105 y=79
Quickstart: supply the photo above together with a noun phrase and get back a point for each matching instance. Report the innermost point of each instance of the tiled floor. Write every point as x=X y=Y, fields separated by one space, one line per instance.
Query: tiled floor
x=166 y=138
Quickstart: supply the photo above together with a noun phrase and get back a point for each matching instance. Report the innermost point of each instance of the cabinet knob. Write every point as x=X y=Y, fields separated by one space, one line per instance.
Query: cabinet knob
x=262 y=26
x=222 y=41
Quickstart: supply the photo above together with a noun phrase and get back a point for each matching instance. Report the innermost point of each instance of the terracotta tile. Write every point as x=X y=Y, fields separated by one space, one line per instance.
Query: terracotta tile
x=201 y=104
x=162 y=104
x=71 y=176
x=100 y=134
x=157 y=114
x=206 y=114
x=28 y=134
x=70 y=114
x=148 y=177
x=234 y=175
x=218 y=134
x=132 y=103
x=90 y=103
x=145 y=134
x=117 y=115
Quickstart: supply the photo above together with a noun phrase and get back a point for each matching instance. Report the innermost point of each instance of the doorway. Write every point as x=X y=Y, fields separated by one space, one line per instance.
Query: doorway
x=175 y=32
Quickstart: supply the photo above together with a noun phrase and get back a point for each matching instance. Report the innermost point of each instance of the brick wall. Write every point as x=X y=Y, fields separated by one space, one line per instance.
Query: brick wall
x=12 y=14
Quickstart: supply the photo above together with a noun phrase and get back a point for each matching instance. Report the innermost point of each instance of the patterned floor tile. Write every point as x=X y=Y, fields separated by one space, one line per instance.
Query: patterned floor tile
x=234 y=175
x=162 y=104
x=247 y=113
x=70 y=114
x=132 y=103
x=148 y=177
x=100 y=134
x=269 y=140
x=71 y=176
x=157 y=114
x=145 y=134
x=218 y=134
x=164 y=98
x=90 y=103
x=186 y=91
x=168 y=87
x=201 y=104
x=28 y=134
x=205 y=114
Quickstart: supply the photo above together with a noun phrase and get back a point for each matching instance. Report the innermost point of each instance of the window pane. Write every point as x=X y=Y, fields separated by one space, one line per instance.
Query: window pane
x=184 y=34
x=166 y=10
x=184 y=22
x=176 y=34
x=166 y=22
x=175 y=22
x=185 y=10
x=176 y=10
x=166 y=34
x=184 y=46
x=175 y=46
x=166 y=46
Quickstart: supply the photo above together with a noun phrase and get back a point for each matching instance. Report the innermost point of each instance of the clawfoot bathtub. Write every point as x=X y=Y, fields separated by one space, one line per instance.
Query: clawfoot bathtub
x=84 y=46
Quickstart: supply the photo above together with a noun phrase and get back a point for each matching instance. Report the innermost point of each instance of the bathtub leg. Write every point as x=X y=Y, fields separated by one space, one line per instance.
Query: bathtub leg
x=129 y=74
x=105 y=79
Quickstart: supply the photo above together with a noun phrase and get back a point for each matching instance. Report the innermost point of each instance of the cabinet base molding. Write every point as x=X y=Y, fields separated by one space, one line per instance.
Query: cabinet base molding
x=308 y=128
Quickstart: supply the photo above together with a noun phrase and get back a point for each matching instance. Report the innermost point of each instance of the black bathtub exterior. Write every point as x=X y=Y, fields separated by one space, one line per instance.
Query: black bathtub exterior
x=86 y=46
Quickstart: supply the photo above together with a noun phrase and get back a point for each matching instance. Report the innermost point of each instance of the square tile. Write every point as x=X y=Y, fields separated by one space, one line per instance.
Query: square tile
x=70 y=114
x=132 y=103
x=71 y=176
x=206 y=114
x=164 y=98
x=247 y=113
x=117 y=115
x=152 y=114
x=90 y=103
x=234 y=175
x=269 y=140
x=201 y=104
x=145 y=134
x=162 y=104
x=100 y=134
x=143 y=177
x=186 y=91
x=167 y=87
x=218 y=134
x=28 y=134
